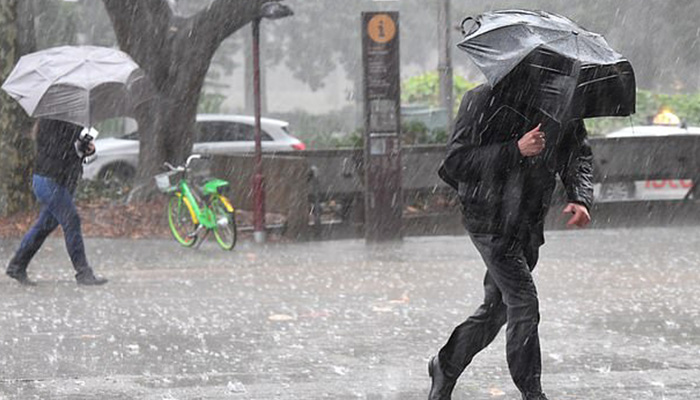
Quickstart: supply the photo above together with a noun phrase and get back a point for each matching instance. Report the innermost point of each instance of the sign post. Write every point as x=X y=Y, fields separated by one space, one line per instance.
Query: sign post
x=382 y=120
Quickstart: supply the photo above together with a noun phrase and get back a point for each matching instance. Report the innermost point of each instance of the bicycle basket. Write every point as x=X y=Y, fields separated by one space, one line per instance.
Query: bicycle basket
x=167 y=181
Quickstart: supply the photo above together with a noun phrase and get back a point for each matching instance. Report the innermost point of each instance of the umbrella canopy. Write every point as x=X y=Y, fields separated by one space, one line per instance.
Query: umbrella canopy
x=563 y=69
x=78 y=84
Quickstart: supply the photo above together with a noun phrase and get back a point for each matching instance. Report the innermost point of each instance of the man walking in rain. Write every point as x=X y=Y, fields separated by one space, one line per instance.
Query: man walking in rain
x=57 y=169
x=502 y=159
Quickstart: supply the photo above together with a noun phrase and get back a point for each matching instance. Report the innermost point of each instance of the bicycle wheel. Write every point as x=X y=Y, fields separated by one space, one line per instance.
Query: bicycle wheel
x=225 y=231
x=180 y=221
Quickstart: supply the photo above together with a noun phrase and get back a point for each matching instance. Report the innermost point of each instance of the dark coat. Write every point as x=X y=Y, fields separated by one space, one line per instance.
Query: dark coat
x=56 y=155
x=501 y=191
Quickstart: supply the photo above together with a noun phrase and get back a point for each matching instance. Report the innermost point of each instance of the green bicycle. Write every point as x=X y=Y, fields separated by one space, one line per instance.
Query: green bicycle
x=188 y=216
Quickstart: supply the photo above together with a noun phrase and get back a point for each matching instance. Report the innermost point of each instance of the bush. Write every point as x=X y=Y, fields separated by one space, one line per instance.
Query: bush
x=99 y=190
x=425 y=89
x=416 y=132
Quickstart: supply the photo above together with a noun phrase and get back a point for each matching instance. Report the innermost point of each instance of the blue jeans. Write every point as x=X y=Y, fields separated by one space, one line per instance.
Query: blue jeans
x=57 y=208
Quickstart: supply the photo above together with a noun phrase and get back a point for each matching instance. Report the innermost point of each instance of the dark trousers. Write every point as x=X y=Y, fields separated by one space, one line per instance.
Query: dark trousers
x=57 y=208
x=509 y=295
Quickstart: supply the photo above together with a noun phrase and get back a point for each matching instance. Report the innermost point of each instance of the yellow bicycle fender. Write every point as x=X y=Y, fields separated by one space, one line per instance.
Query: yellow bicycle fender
x=227 y=204
x=189 y=208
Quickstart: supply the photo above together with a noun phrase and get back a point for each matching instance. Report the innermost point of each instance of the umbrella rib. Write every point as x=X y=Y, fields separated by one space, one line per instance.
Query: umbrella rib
x=549 y=69
x=604 y=78
x=564 y=36
x=38 y=71
x=523 y=24
x=66 y=73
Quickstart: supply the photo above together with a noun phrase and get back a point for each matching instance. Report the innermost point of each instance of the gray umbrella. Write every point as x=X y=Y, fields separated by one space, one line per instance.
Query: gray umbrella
x=563 y=69
x=79 y=84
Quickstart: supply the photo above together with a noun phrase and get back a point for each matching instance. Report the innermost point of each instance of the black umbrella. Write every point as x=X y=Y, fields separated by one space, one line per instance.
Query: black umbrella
x=557 y=66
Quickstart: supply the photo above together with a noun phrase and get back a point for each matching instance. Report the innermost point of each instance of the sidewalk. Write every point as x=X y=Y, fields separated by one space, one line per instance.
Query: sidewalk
x=342 y=320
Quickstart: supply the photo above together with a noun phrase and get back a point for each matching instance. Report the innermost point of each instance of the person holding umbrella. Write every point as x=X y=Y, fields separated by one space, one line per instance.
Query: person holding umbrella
x=68 y=88
x=511 y=138
x=57 y=170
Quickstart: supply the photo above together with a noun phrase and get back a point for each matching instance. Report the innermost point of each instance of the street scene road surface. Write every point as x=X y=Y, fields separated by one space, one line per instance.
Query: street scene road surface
x=346 y=320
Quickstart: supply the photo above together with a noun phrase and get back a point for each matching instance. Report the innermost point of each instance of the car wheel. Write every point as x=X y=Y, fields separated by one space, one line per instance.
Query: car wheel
x=118 y=175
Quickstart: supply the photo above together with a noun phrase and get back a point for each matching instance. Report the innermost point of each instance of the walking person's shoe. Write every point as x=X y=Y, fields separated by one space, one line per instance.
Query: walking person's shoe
x=539 y=396
x=442 y=386
x=20 y=277
x=19 y=274
x=88 y=278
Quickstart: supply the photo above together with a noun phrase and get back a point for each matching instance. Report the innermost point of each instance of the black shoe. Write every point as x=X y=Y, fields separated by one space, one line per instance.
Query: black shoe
x=20 y=277
x=539 y=396
x=89 y=279
x=441 y=388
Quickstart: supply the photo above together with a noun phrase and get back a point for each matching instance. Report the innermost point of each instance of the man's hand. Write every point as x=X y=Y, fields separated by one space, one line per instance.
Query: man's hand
x=580 y=218
x=532 y=143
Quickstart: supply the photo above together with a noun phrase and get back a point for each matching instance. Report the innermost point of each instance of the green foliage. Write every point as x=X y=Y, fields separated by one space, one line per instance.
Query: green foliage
x=439 y=136
x=425 y=89
x=413 y=132
x=210 y=103
x=333 y=140
x=416 y=132
x=355 y=139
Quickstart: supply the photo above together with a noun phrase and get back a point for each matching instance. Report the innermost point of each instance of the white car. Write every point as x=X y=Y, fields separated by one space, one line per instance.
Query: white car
x=117 y=158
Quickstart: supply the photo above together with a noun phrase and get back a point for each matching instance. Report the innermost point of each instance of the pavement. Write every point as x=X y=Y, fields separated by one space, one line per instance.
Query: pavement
x=346 y=320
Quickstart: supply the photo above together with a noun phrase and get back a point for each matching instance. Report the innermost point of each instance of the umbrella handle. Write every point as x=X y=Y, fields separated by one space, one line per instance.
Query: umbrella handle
x=474 y=27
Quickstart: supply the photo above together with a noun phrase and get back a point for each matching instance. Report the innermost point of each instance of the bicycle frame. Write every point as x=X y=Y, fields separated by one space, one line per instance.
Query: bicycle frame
x=201 y=215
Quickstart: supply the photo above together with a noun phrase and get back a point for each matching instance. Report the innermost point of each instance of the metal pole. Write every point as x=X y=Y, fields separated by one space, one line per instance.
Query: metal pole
x=445 y=61
x=258 y=186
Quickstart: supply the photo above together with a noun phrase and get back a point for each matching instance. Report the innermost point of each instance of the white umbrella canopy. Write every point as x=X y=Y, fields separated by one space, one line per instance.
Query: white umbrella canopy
x=78 y=84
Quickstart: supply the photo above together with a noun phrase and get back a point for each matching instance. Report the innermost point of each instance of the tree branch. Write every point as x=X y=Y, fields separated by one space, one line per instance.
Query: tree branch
x=228 y=16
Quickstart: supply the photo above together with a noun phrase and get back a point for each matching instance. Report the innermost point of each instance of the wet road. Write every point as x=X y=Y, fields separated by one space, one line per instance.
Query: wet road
x=342 y=320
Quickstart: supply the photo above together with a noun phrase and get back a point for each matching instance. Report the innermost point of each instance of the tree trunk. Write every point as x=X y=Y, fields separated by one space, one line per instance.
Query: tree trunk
x=16 y=145
x=175 y=53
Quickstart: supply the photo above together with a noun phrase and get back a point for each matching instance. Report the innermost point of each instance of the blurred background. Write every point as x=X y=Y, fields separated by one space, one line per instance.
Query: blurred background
x=312 y=61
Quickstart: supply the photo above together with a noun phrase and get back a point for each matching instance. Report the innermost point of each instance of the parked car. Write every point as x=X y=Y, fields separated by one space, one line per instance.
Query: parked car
x=117 y=158
x=665 y=124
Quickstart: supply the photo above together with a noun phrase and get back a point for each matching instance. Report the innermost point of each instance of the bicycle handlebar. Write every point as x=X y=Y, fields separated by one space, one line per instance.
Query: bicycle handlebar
x=187 y=163
x=170 y=167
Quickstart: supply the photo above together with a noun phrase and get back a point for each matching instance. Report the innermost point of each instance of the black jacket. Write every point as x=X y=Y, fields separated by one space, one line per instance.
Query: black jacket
x=501 y=191
x=56 y=155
